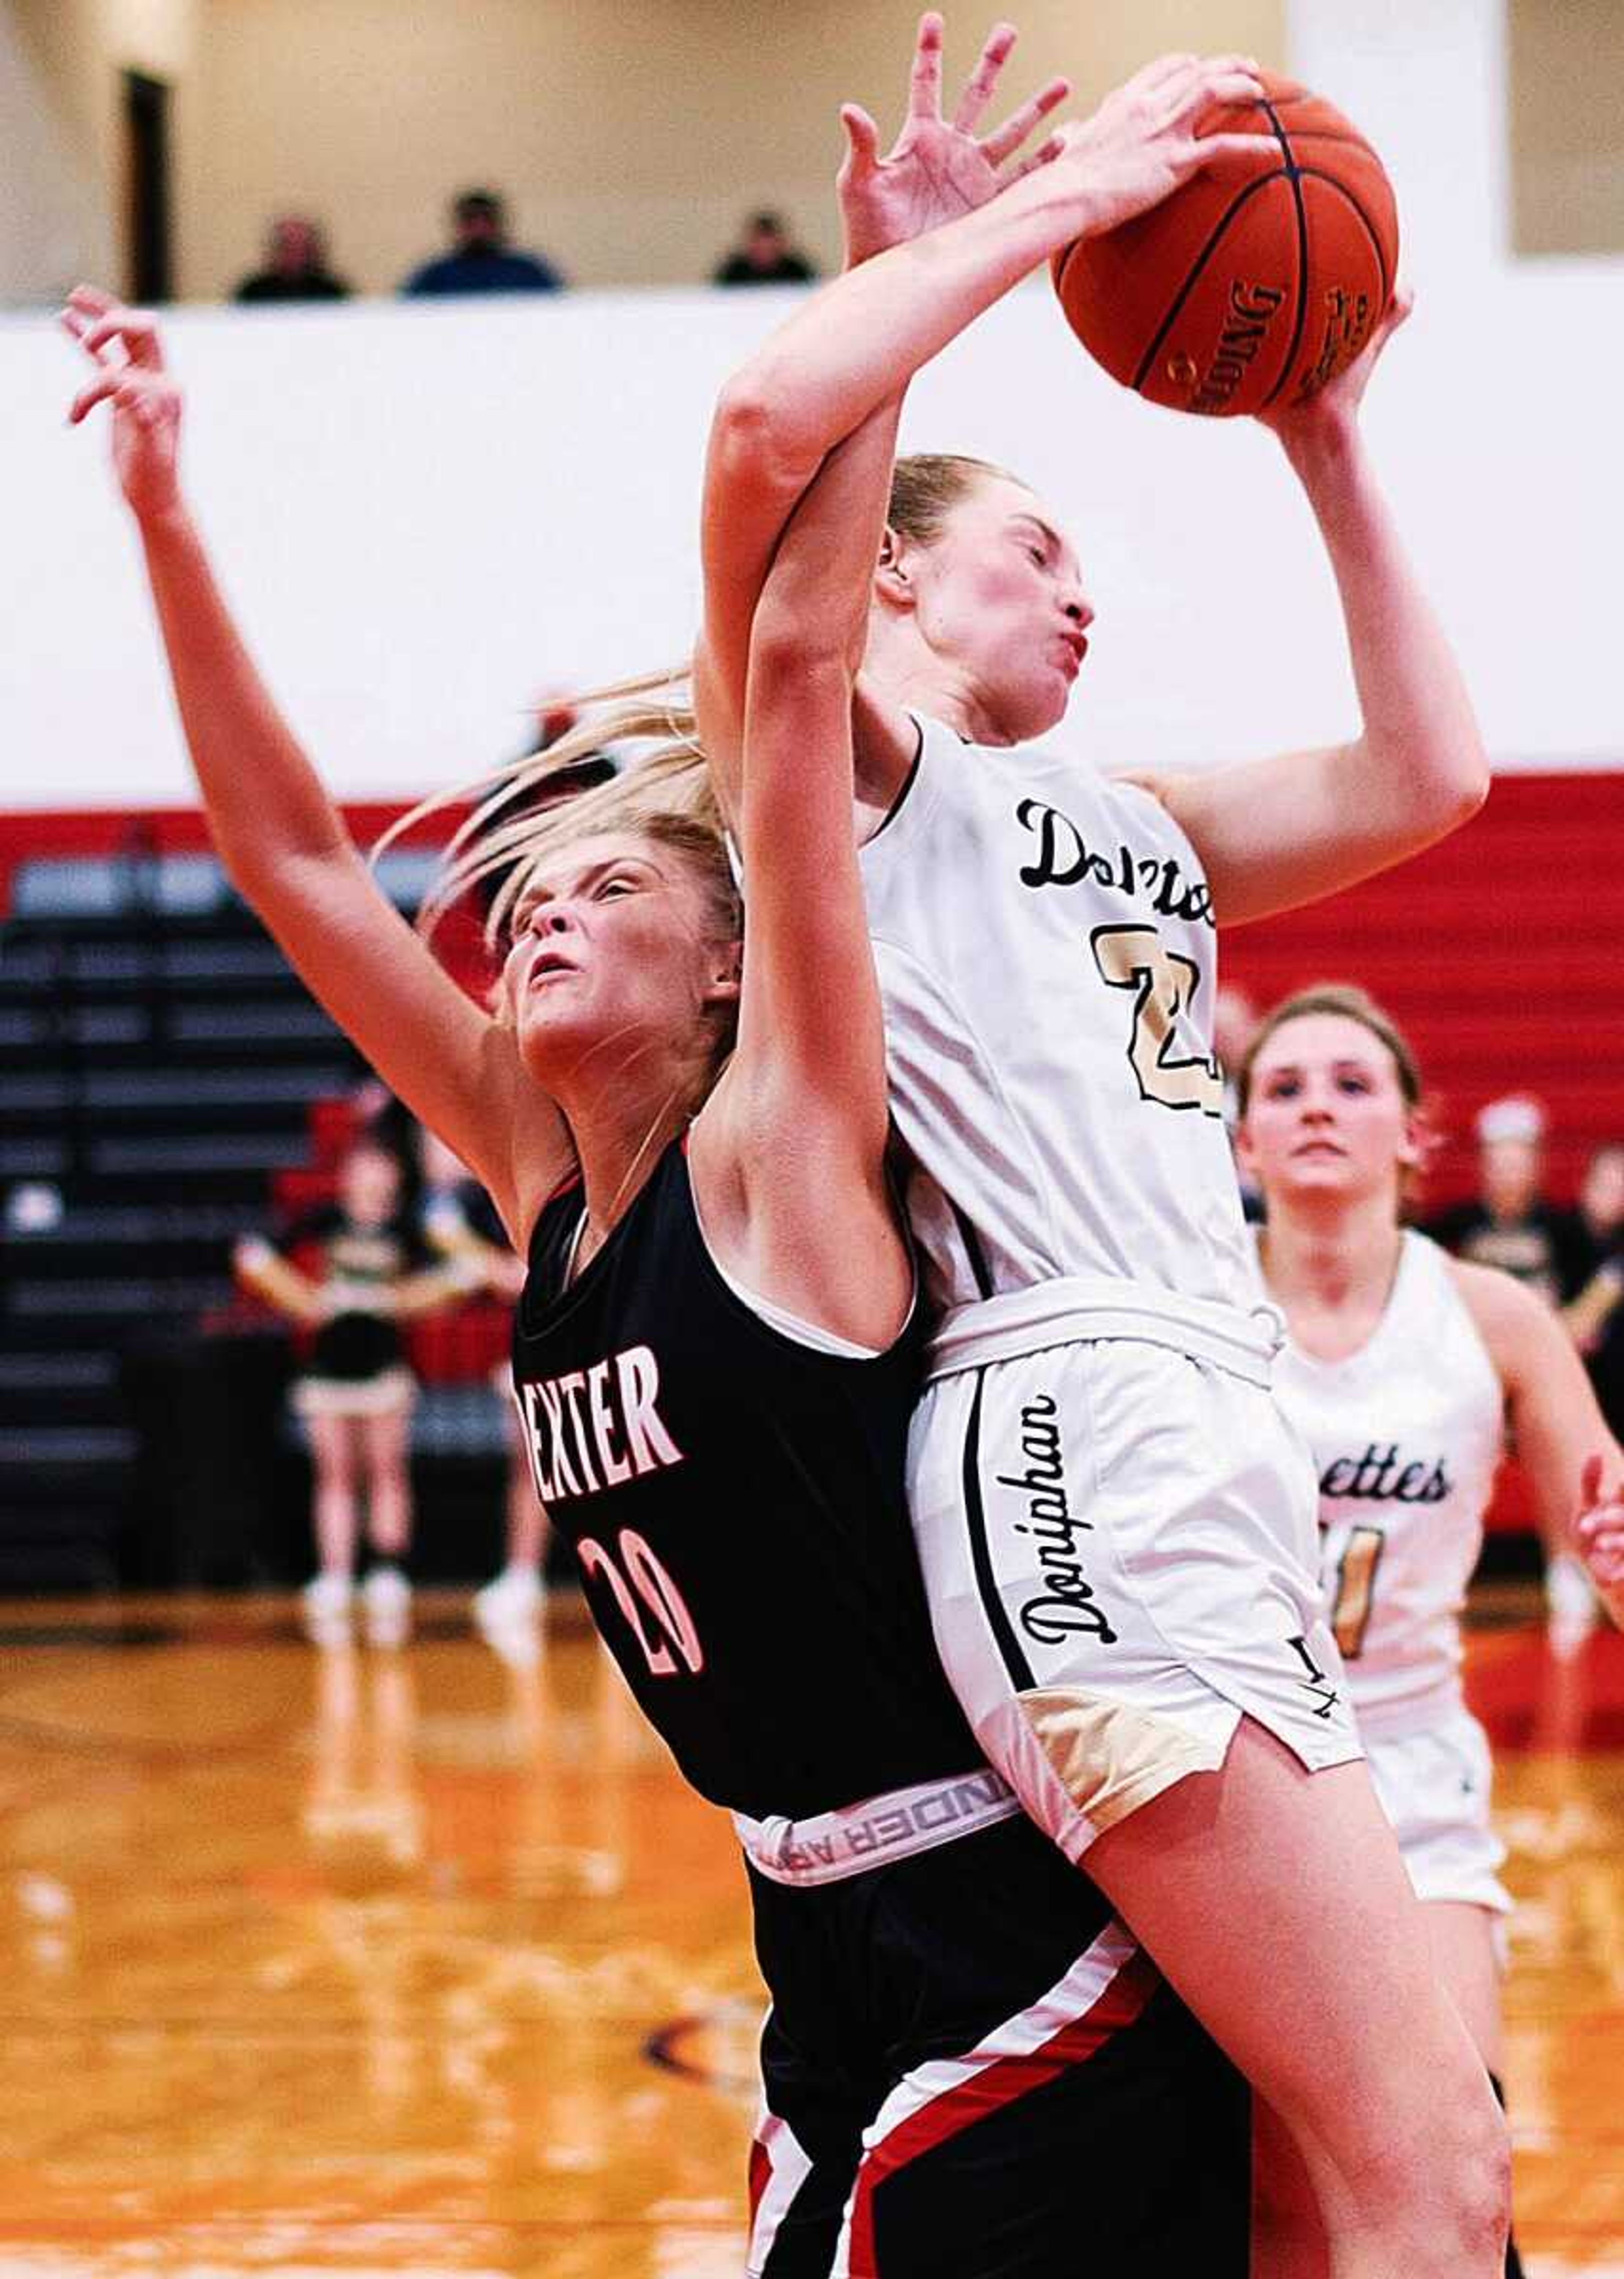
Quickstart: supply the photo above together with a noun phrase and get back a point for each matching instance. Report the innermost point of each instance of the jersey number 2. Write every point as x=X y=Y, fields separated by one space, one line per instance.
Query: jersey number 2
x=662 y=1621
x=1164 y=985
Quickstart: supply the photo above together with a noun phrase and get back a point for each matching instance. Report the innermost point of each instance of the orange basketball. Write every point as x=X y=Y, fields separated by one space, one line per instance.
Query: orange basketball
x=1250 y=289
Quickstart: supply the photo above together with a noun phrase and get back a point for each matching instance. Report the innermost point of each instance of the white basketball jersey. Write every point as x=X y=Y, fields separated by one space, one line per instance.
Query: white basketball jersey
x=1406 y=1436
x=1046 y=950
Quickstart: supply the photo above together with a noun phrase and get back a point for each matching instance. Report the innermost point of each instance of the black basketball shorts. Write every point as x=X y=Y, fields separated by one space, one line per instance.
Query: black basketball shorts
x=971 y=2071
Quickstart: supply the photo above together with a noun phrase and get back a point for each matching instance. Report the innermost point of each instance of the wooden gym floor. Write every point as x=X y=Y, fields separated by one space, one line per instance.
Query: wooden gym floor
x=423 y=1962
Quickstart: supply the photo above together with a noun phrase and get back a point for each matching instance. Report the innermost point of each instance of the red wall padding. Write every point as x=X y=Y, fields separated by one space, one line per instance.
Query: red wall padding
x=1501 y=954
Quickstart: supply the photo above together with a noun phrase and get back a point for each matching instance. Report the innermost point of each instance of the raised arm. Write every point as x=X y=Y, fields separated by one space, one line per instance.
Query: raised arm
x=279 y=833
x=1575 y=1466
x=1275 y=832
x=794 y=1141
x=855 y=345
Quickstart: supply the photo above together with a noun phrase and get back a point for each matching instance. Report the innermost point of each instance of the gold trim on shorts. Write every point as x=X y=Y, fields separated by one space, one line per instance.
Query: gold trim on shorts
x=1110 y=1758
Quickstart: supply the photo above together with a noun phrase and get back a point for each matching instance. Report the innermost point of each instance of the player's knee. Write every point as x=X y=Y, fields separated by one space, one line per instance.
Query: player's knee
x=1455 y=2177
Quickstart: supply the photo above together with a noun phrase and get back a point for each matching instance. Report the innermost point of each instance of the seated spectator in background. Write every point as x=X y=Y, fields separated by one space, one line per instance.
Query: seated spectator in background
x=482 y=261
x=763 y=256
x=295 y=265
x=1595 y=1285
x=1509 y=1223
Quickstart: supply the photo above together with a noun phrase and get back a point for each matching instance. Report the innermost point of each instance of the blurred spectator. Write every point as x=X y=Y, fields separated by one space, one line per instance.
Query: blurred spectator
x=295 y=265
x=370 y=1271
x=1596 y=1281
x=763 y=256
x=460 y=1221
x=1509 y=1223
x=482 y=261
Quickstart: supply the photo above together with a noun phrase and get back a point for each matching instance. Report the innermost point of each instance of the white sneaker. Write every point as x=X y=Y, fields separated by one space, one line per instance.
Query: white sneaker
x=385 y=1597
x=513 y=1601
x=324 y=1605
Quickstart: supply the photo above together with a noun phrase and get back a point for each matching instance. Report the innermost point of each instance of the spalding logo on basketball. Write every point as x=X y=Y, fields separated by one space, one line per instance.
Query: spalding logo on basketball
x=1241 y=292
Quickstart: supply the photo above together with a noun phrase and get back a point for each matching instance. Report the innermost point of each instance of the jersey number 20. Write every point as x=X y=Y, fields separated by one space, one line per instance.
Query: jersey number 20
x=661 y=1621
x=1164 y=986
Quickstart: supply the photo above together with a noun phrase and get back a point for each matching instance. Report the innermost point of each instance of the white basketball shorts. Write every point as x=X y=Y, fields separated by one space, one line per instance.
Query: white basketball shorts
x=1119 y=1542
x=1434 y=1786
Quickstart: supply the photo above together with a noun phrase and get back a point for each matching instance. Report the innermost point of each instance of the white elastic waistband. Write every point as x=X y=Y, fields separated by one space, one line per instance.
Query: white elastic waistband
x=880 y=1829
x=1077 y=1308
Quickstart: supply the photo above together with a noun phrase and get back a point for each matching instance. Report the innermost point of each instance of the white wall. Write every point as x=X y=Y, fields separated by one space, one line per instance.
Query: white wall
x=53 y=221
x=426 y=513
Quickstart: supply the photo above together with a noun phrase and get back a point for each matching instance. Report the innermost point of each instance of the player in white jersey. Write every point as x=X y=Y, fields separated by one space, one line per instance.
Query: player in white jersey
x=1117 y=1527
x=1402 y=1369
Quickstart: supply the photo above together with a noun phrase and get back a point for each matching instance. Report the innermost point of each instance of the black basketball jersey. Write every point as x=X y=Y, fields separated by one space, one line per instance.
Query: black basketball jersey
x=735 y=1500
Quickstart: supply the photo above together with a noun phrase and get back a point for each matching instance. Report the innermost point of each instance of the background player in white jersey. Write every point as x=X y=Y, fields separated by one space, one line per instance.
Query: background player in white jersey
x=685 y=1134
x=1403 y=1370
x=1117 y=1532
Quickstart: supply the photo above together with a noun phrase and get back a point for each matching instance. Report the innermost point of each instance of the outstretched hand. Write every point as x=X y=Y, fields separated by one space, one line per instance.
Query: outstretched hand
x=124 y=346
x=1338 y=401
x=938 y=168
x=1599 y=1531
x=1142 y=143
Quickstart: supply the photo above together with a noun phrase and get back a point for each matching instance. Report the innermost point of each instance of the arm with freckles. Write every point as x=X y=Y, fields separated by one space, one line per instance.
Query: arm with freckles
x=1275 y=832
x=855 y=345
x=278 y=831
x=1574 y=1464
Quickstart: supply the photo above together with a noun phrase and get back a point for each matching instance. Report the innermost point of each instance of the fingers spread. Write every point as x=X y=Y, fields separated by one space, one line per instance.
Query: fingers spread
x=135 y=330
x=88 y=398
x=924 y=98
x=978 y=88
x=1230 y=87
x=1019 y=125
x=1226 y=153
x=861 y=140
x=1185 y=95
x=1041 y=156
x=1164 y=67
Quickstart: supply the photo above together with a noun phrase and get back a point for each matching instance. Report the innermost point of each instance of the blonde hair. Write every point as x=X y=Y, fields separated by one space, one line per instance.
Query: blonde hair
x=926 y=486
x=1348 y=1003
x=661 y=792
x=522 y=814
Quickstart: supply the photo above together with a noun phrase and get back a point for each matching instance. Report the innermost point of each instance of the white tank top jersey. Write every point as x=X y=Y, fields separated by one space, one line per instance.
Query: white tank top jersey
x=1405 y=1435
x=1045 y=949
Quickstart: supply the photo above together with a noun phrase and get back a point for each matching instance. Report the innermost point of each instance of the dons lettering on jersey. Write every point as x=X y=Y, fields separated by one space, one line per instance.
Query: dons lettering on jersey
x=1385 y=1474
x=595 y=1428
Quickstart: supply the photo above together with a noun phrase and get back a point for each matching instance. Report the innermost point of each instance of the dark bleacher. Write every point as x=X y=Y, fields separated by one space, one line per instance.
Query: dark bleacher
x=157 y=1063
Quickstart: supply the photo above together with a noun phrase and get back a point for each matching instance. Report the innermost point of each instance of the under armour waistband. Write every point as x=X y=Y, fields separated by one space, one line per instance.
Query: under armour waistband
x=1079 y=1308
x=877 y=1831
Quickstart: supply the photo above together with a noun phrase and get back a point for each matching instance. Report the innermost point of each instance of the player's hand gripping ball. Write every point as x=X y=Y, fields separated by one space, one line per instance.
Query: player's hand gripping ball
x=1248 y=288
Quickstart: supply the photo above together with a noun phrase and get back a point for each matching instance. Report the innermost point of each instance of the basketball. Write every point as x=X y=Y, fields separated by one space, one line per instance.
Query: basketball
x=1244 y=291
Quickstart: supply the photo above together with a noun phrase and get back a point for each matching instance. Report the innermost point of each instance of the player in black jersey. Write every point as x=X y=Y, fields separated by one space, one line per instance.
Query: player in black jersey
x=971 y=2072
